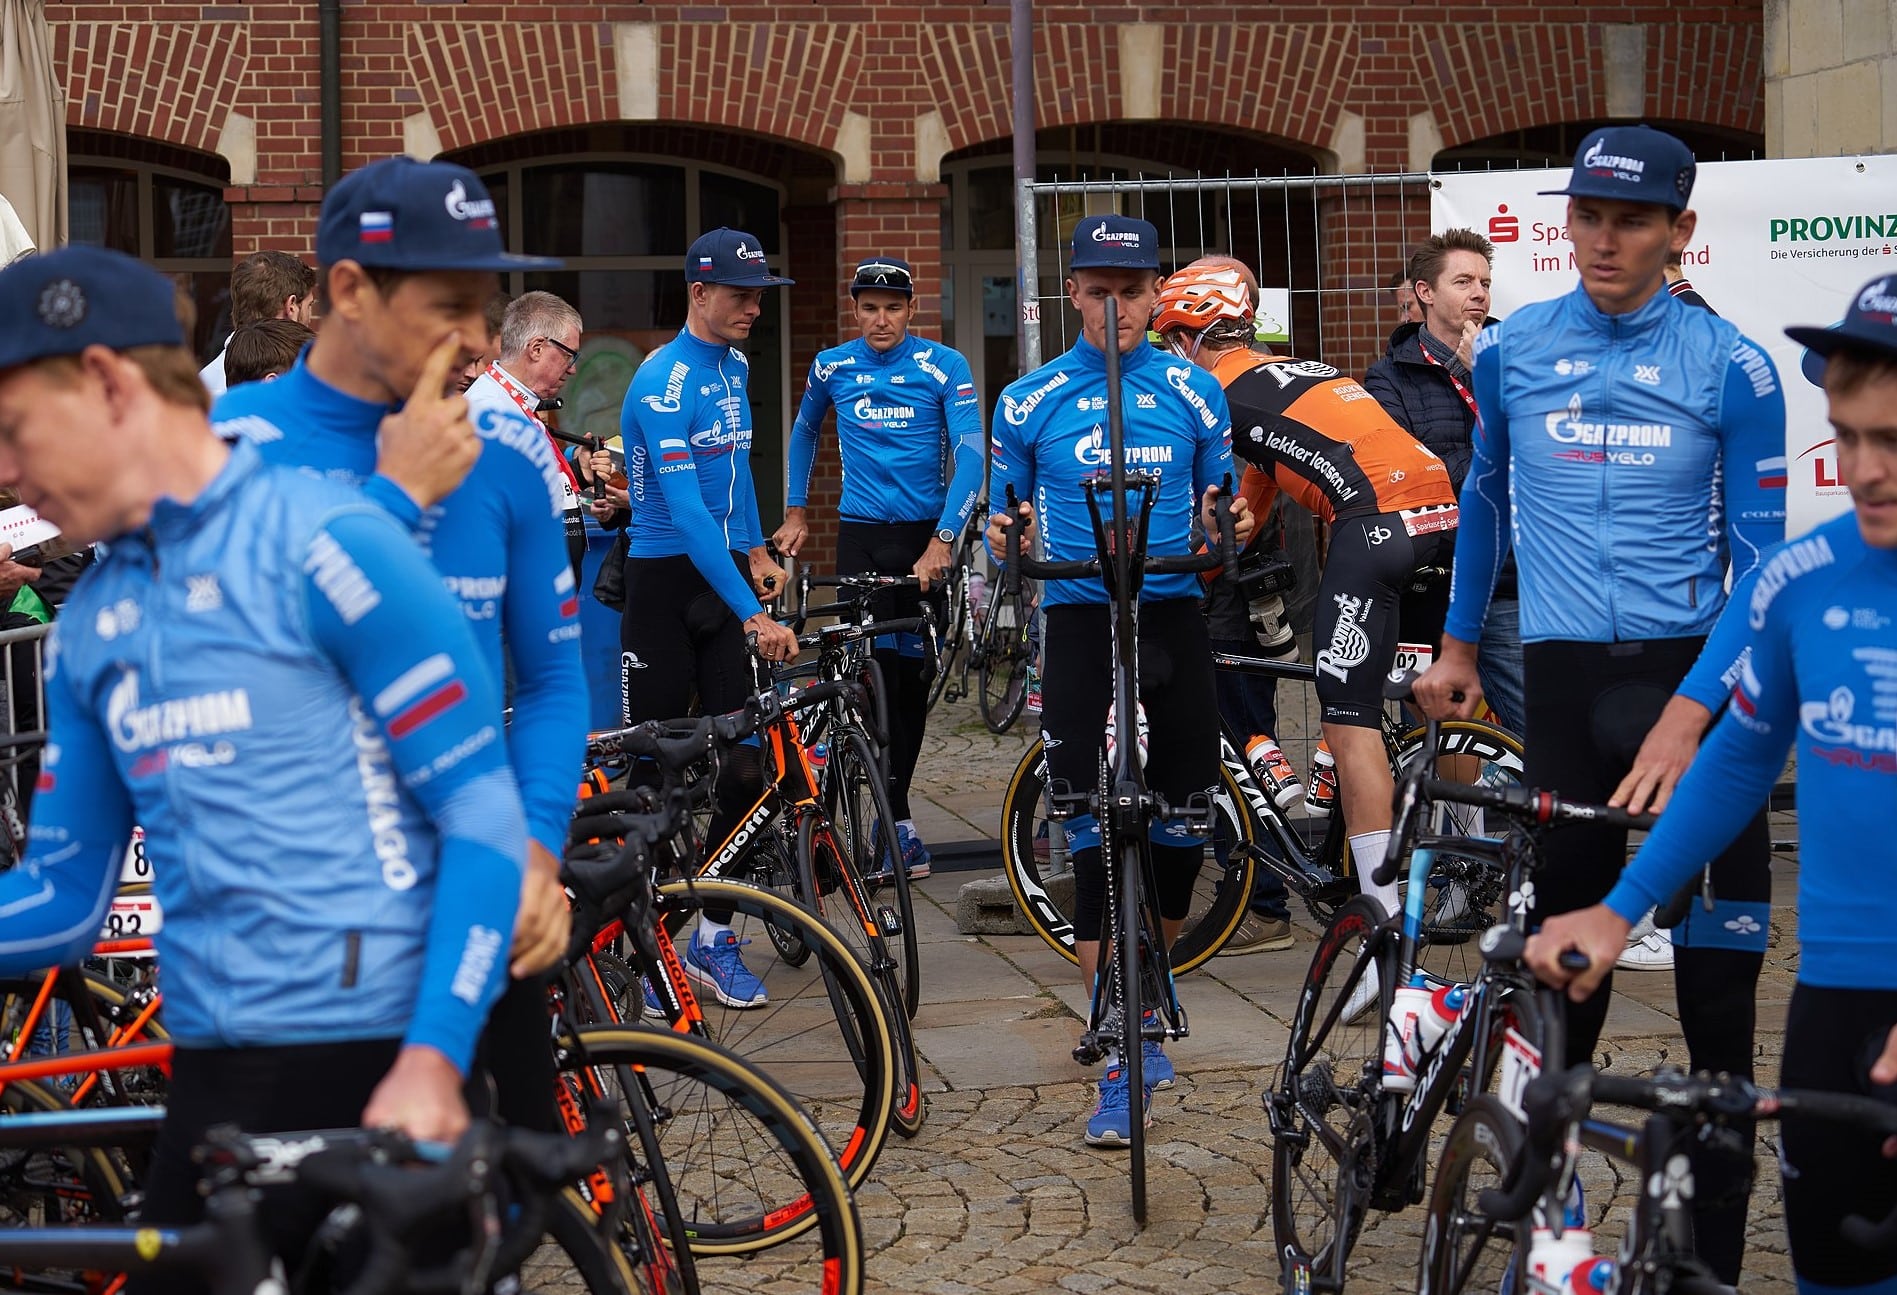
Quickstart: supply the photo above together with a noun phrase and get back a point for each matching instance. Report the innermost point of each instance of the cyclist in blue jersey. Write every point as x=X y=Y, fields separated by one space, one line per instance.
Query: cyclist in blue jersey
x=1049 y=434
x=409 y=254
x=904 y=406
x=1634 y=446
x=696 y=566
x=265 y=673
x=1818 y=679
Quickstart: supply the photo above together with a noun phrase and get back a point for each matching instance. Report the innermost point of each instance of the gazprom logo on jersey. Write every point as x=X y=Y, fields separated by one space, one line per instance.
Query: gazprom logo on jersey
x=1832 y=720
x=1568 y=427
x=1180 y=380
x=823 y=371
x=136 y=728
x=1092 y=451
x=1016 y=411
x=674 y=390
x=718 y=438
x=872 y=414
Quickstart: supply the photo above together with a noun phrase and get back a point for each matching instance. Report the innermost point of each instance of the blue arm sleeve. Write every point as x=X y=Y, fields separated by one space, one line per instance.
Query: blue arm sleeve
x=804 y=434
x=1727 y=782
x=546 y=739
x=411 y=657
x=678 y=482
x=394 y=501
x=962 y=417
x=1752 y=431
x=1482 y=536
x=1716 y=673
x=1212 y=463
x=52 y=905
x=1012 y=465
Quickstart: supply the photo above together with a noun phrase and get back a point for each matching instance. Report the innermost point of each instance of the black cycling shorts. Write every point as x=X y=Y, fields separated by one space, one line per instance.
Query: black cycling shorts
x=679 y=642
x=1370 y=599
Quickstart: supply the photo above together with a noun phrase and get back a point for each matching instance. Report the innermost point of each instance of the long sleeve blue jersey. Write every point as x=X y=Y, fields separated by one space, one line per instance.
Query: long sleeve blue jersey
x=498 y=543
x=273 y=681
x=1049 y=434
x=1628 y=459
x=1821 y=676
x=686 y=429
x=900 y=414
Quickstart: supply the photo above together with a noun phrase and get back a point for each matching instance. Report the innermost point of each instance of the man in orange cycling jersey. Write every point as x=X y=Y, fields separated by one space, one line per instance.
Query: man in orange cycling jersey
x=1318 y=436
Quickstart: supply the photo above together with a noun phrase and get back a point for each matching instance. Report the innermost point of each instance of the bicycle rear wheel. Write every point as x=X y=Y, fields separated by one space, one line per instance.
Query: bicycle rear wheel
x=827 y=1033
x=954 y=627
x=1463 y=1250
x=1323 y=1101
x=576 y=1249
x=748 y=1169
x=1124 y=878
x=1034 y=857
x=856 y=798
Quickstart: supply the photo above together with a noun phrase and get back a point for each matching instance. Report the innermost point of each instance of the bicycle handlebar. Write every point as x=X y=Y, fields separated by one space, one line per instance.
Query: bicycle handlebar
x=850 y=632
x=1019 y=564
x=674 y=744
x=1527 y=805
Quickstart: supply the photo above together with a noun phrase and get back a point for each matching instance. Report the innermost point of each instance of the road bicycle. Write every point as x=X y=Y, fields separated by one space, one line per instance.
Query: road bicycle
x=1133 y=994
x=960 y=618
x=1003 y=642
x=1351 y=1129
x=424 y=1217
x=1311 y=856
x=1525 y=1152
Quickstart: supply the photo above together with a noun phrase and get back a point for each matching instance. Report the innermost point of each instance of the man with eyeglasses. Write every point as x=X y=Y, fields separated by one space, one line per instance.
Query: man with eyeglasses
x=904 y=406
x=540 y=350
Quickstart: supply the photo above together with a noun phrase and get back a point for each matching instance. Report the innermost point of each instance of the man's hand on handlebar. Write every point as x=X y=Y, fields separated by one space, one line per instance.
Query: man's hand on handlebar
x=1451 y=688
x=774 y=642
x=1599 y=932
x=1242 y=521
x=767 y=578
x=933 y=565
x=998 y=524
x=789 y=538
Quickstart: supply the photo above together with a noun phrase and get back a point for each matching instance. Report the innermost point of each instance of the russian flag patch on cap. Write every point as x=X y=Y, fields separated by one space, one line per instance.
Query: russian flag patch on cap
x=376 y=227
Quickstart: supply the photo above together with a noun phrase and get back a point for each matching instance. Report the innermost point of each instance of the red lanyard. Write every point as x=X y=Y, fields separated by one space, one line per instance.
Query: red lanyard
x=529 y=403
x=1461 y=390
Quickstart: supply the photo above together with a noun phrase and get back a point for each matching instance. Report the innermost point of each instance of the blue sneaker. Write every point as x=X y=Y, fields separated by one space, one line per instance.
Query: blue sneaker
x=915 y=855
x=1155 y=1067
x=720 y=968
x=653 y=1008
x=1111 y=1124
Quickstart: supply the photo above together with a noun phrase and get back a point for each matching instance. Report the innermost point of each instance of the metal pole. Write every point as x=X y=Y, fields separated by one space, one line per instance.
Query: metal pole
x=329 y=64
x=1028 y=282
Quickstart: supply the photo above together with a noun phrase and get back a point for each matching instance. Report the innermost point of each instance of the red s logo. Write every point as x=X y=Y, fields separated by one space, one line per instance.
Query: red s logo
x=1504 y=228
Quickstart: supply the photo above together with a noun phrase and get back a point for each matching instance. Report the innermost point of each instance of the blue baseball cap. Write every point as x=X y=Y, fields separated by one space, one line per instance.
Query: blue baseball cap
x=400 y=214
x=1869 y=325
x=61 y=302
x=1632 y=164
x=1115 y=243
x=887 y=273
x=733 y=257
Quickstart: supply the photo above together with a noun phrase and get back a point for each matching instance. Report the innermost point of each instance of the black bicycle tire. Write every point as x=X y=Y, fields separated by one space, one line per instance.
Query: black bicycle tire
x=1486 y=1130
x=1352 y=934
x=847 y=988
x=826 y=1205
x=1124 y=883
x=1195 y=947
x=817 y=835
x=603 y=1266
x=853 y=764
x=954 y=624
x=1014 y=654
x=782 y=878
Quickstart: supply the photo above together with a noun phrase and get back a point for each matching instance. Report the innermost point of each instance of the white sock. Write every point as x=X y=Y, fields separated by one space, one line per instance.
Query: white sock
x=1366 y=853
x=710 y=932
x=909 y=823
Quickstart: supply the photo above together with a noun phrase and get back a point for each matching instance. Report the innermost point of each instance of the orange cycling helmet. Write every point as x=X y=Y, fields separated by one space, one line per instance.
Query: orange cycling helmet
x=1196 y=298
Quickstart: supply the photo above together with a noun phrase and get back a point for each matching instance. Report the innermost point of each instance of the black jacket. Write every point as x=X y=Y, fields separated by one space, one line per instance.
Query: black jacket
x=1422 y=399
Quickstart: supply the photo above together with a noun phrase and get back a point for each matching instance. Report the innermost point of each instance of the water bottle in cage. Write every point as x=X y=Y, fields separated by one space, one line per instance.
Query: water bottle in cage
x=1139 y=730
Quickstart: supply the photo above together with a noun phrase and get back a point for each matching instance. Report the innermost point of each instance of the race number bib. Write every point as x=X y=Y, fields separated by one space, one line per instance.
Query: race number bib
x=136 y=868
x=1412 y=656
x=132 y=917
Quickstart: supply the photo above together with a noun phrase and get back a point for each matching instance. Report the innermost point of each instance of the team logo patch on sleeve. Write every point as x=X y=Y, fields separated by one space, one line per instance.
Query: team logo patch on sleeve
x=1772 y=473
x=420 y=695
x=673 y=450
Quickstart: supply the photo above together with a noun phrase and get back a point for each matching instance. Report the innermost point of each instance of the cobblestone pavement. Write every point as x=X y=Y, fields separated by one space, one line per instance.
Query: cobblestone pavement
x=998 y=1193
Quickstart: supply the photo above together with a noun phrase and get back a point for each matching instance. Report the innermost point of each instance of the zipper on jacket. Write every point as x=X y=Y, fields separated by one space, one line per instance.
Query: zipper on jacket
x=352 y=958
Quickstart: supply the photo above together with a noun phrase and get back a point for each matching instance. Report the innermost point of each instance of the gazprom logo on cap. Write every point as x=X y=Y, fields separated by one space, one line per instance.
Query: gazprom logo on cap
x=1878 y=299
x=1597 y=158
x=745 y=252
x=1124 y=237
x=478 y=212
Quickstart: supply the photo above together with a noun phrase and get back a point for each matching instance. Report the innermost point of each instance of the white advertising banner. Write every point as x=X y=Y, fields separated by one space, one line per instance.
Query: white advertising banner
x=1778 y=242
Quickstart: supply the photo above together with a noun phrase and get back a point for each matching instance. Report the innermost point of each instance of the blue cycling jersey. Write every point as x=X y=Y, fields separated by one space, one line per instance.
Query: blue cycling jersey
x=1049 y=434
x=686 y=429
x=1822 y=674
x=1716 y=673
x=899 y=413
x=273 y=681
x=497 y=542
x=1630 y=458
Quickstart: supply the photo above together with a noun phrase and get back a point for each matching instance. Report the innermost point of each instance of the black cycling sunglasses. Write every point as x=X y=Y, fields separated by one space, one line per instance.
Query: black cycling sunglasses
x=878 y=274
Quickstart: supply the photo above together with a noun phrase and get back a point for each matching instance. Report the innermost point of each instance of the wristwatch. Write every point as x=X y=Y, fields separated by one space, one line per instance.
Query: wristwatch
x=946 y=535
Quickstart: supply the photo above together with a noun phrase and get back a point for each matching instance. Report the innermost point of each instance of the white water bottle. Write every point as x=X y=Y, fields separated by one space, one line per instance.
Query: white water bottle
x=1402 y=1041
x=977 y=592
x=1553 y=1261
x=1445 y=1006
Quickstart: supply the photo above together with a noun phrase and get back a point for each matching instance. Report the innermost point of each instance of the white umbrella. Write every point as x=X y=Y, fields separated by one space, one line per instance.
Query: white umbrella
x=32 y=126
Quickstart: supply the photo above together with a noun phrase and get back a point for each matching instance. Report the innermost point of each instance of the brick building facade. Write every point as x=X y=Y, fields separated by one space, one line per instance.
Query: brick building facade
x=607 y=129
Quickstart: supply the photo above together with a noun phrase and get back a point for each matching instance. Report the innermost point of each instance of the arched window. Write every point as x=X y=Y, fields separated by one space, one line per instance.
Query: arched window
x=164 y=205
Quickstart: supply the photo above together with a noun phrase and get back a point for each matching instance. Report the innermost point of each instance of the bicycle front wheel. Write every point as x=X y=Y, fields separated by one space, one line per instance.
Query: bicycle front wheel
x=856 y=797
x=1002 y=673
x=1323 y=1103
x=748 y=1169
x=1034 y=857
x=954 y=626
x=1464 y=1250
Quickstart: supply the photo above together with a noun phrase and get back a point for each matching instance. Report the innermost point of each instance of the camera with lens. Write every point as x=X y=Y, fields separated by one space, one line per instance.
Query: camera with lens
x=1263 y=580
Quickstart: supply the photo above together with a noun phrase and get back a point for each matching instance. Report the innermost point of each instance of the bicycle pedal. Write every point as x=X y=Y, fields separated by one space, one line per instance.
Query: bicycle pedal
x=1088 y=1051
x=889 y=921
